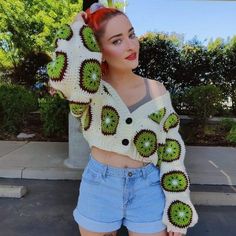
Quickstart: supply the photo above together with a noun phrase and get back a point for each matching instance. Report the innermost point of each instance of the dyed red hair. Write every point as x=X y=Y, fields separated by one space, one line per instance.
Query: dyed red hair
x=97 y=21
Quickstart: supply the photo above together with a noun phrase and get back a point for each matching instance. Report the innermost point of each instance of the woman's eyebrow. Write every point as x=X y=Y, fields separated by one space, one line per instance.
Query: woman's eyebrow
x=120 y=34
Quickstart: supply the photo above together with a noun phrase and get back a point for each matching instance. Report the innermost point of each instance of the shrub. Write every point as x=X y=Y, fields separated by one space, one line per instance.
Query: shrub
x=232 y=134
x=54 y=115
x=227 y=123
x=234 y=103
x=225 y=111
x=16 y=103
x=230 y=126
x=178 y=103
x=203 y=101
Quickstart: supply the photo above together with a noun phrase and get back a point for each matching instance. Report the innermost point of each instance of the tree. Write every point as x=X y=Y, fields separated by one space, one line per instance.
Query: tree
x=159 y=58
x=230 y=70
x=29 y=27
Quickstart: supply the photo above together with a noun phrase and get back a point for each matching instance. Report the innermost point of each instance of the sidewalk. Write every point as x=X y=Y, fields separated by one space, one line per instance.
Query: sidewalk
x=211 y=169
x=35 y=160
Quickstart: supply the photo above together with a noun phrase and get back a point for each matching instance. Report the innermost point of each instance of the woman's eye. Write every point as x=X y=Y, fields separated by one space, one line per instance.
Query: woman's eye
x=115 y=42
x=119 y=40
x=133 y=35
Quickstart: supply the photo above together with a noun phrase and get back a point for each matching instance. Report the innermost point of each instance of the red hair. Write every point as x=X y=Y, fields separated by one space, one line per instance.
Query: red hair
x=97 y=21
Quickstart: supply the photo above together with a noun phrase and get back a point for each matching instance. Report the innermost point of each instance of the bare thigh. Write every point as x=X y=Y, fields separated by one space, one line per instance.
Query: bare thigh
x=162 y=233
x=85 y=232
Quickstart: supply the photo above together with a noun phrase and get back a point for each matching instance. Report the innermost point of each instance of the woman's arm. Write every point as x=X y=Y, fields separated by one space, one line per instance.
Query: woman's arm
x=179 y=212
x=75 y=71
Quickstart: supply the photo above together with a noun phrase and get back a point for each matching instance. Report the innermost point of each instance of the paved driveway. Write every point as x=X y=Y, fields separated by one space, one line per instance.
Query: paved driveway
x=47 y=208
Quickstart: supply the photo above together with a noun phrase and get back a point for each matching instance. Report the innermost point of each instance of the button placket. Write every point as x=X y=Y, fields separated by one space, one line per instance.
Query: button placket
x=128 y=128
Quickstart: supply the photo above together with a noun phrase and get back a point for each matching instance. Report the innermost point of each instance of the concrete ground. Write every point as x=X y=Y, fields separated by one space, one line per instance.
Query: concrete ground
x=214 y=166
x=52 y=189
x=45 y=160
x=47 y=210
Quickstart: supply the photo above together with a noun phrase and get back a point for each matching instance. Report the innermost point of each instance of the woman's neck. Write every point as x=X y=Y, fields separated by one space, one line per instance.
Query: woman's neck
x=119 y=79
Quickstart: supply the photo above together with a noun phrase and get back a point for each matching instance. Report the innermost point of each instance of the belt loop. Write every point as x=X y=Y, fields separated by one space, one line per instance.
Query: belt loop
x=90 y=156
x=144 y=173
x=104 y=171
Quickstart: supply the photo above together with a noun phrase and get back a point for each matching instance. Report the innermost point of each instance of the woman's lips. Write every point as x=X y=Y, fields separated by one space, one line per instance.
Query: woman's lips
x=131 y=57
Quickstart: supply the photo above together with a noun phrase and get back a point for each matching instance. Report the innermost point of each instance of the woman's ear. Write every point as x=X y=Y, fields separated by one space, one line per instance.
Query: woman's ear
x=84 y=16
x=80 y=16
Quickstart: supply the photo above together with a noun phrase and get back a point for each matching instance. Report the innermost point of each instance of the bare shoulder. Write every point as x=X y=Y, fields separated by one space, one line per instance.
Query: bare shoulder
x=156 y=88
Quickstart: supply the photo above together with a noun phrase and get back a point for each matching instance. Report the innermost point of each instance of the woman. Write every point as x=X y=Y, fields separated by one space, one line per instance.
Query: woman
x=135 y=175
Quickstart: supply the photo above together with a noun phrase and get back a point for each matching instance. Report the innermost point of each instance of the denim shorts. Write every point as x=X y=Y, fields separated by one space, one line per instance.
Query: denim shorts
x=111 y=196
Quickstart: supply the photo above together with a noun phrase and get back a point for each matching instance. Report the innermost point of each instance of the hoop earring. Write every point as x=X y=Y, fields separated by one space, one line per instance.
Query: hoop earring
x=104 y=68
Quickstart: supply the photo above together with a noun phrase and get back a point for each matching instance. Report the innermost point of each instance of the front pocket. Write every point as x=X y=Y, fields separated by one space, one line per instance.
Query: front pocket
x=153 y=178
x=91 y=177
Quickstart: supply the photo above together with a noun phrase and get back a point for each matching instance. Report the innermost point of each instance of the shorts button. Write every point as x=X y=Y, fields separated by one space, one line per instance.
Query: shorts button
x=130 y=174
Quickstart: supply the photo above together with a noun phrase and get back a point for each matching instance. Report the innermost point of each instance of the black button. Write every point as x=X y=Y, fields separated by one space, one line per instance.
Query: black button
x=125 y=141
x=130 y=174
x=129 y=120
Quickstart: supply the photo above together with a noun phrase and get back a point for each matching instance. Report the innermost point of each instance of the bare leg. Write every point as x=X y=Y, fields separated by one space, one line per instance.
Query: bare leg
x=85 y=232
x=162 y=233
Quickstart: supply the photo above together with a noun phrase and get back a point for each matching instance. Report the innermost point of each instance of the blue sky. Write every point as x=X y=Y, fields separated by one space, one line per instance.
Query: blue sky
x=205 y=19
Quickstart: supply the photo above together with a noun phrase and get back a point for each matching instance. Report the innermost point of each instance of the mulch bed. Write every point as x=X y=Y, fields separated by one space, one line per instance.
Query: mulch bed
x=214 y=135
x=33 y=125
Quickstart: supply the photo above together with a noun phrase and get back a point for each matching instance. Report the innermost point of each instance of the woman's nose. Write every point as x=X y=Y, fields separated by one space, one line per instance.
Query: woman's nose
x=130 y=44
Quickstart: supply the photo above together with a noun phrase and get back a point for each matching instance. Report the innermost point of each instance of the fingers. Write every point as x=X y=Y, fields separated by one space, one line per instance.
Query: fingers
x=84 y=15
x=52 y=91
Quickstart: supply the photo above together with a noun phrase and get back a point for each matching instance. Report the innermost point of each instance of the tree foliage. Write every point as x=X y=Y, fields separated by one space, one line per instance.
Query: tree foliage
x=188 y=65
x=28 y=28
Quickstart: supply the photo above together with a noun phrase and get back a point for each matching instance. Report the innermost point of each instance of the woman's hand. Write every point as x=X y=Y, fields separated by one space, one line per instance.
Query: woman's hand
x=171 y=233
x=52 y=91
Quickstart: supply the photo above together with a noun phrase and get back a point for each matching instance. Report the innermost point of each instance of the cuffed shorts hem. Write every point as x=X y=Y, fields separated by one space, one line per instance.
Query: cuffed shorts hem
x=95 y=226
x=145 y=227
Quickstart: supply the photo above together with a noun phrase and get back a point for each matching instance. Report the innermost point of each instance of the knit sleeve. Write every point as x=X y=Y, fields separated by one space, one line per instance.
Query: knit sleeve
x=75 y=71
x=179 y=212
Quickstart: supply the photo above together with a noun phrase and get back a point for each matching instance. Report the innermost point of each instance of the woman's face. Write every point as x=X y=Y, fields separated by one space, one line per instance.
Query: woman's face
x=118 y=42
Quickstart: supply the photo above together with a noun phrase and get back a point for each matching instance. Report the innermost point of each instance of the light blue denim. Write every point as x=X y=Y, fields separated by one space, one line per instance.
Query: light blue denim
x=111 y=196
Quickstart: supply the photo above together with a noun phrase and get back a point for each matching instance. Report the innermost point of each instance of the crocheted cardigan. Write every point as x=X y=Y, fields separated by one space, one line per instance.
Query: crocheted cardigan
x=148 y=134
